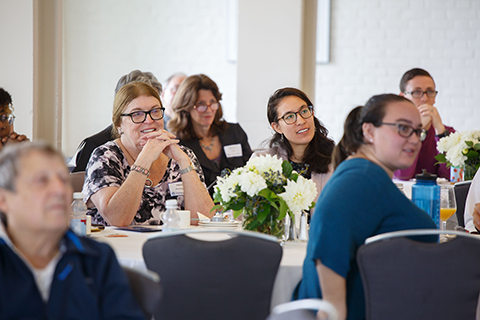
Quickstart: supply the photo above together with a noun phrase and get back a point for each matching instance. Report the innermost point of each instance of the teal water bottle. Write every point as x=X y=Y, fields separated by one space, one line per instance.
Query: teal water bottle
x=426 y=195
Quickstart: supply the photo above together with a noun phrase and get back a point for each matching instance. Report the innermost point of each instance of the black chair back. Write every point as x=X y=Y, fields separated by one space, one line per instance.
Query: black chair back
x=146 y=289
x=408 y=279
x=461 y=192
x=229 y=279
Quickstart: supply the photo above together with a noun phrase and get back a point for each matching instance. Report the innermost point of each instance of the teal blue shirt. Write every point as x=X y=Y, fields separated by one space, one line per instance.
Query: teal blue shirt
x=359 y=201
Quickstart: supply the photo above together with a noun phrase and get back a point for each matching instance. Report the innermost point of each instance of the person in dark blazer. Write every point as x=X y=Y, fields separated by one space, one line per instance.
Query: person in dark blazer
x=198 y=124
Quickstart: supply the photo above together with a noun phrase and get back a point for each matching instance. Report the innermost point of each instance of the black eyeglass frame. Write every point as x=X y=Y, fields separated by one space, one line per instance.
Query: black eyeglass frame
x=420 y=133
x=296 y=115
x=434 y=92
x=7 y=118
x=206 y=105
x=145 y=115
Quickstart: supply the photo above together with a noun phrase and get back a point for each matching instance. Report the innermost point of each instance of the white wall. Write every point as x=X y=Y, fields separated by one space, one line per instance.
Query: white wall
x=109 y=38
x=16 y=59
x=374 y=42
x=269 y=57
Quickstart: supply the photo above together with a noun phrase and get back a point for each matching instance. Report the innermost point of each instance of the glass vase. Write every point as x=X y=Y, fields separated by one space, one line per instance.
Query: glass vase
x=469 y=171
x=271 y=225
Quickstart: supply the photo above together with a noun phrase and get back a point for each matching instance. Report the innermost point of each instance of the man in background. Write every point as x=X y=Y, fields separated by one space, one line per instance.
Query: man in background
x=417 y=85
x=171 y=87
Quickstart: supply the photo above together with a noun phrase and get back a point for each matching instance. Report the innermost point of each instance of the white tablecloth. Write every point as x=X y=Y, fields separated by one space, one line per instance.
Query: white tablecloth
x=129 y=253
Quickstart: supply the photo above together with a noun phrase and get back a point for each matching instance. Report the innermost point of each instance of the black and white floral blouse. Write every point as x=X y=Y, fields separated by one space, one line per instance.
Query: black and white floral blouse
x=108 y=167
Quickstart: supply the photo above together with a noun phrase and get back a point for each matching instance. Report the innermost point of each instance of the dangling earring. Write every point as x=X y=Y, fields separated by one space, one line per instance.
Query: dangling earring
x=282 y=137
x=120 y=131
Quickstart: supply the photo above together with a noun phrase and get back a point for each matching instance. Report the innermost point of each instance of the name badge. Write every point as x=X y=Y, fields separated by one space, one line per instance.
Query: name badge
x=176 y=189
x=233 y=150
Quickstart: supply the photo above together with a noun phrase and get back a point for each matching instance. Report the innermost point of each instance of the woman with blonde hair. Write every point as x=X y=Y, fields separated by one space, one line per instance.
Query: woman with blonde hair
x=128 y=180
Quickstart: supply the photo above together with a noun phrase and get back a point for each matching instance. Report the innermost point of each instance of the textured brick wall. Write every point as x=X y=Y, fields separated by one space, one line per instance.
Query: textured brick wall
x=373 y=42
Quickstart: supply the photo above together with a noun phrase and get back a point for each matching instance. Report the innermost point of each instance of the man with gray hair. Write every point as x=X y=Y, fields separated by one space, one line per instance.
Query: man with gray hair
x=171 y=87
x=46 y=270
x=86 y=147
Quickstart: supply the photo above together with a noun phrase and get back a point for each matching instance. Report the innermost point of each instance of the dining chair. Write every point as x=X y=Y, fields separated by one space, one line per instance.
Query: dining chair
x=77 y=179
x=305 y=309
x=406 y=278
x=146 y=289
x=461 y=192
x=229 y=278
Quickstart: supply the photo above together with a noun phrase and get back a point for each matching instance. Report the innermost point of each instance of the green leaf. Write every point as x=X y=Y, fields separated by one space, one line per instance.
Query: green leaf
x=282 y=210
x=237 y=213
x=263 y=213
x=476 y=147
x=287 y=169
x=469 y=143
x=267 y=194
x=294 y=177
x=218 y=206
x=237 y=206
x=441 y=158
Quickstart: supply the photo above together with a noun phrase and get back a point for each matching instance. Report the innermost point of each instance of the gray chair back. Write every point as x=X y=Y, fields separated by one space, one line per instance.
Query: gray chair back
x=77 y=179
x=461 y=192
x=146 y=289
x=305 y=309
x=411 y=279
x=228 y=279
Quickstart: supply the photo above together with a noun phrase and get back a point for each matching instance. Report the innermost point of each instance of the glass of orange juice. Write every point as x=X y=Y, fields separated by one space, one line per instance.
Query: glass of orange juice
x=448 y=205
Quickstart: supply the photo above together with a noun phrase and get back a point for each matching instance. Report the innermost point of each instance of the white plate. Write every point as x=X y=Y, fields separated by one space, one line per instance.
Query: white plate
x=220 y=227
x=219 y=224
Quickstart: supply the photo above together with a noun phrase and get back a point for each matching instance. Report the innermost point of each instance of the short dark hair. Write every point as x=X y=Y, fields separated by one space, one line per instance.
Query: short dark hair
x=410 y=74
x=5 y=99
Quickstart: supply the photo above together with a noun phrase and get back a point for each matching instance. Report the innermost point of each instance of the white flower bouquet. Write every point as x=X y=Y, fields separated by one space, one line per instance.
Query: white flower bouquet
x=461 y=149
x=264 y=190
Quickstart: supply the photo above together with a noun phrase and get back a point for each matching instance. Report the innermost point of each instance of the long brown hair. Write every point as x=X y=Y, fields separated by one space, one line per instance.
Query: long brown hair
x=183 y=102
x=318 y=152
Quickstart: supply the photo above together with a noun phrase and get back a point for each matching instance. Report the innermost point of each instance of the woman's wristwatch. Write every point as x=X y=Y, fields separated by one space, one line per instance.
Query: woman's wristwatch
x=185 y=170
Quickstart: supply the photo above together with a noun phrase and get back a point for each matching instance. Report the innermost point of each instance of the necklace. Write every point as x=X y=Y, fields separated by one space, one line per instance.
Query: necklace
x=148 y=182
x=208 y=148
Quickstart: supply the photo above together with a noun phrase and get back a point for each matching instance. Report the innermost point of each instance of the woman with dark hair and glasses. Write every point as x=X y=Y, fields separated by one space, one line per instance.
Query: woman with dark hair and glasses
x=199 y=125
x=360 y=200
x=128 y=180
x=417 y=85
x=7 y=135
x=299 y=136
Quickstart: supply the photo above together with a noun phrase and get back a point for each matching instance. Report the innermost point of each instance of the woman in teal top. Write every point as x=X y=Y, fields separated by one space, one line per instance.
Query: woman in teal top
x=360 y=200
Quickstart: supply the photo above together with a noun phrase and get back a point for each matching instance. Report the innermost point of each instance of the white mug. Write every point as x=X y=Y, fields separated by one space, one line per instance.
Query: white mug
x=184 y=216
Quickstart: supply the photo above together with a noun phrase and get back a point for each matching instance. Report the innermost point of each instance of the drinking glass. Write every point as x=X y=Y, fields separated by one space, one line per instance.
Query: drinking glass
x=448 y=205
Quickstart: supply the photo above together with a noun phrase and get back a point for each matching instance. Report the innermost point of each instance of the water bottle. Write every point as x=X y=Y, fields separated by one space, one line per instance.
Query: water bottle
x=171 y=220
x=79 y=220
x=426 y=195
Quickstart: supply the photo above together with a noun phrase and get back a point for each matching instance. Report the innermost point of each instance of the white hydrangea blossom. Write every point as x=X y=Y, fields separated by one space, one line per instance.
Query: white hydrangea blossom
x=227 y=185
x=454 y=146
x=299 y=195
x=251 y=183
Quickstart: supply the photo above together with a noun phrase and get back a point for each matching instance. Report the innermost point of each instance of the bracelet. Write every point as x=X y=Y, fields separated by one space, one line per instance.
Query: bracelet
x=142 y=170
x=185 y=170
x=443 y=135
x=195 y=219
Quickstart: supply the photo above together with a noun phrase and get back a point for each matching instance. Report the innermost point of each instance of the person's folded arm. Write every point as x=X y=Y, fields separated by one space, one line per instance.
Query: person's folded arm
x=334 y=288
